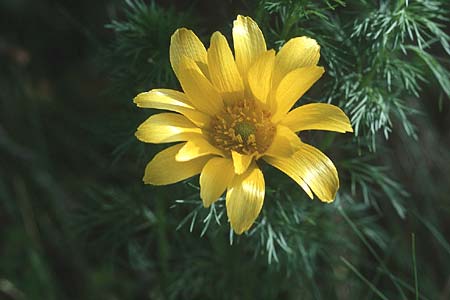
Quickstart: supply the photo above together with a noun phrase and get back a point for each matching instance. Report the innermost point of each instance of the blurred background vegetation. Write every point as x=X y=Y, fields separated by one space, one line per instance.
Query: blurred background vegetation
x=76 y=222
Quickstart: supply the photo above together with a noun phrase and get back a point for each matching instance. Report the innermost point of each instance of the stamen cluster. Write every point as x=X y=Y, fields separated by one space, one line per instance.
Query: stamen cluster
x=243 y=127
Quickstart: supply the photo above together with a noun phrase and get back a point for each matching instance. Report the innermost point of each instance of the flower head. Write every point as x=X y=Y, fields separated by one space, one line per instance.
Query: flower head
x=235 y=111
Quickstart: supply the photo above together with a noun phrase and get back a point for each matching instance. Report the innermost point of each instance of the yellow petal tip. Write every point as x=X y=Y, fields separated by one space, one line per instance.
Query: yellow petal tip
x=136 y=100
x=206 y=205
x=329 y=198
x=147 y=180
x=238 y=232
x=179 y=30
x=327 y=201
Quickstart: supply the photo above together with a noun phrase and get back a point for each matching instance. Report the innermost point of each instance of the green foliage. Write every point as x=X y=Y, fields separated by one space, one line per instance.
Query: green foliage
x=377 y=60
x=139 y=55
x=372 y=184
x=387 y=76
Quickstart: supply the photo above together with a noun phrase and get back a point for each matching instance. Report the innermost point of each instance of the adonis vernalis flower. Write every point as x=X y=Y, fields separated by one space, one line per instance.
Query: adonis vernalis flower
x=235 y=111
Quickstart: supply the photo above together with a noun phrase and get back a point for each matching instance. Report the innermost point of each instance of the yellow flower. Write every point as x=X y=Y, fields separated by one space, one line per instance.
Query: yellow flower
x=235 y=111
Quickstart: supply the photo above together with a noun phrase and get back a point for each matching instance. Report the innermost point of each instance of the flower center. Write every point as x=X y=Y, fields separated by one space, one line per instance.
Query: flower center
x=245 y=130
x=243 y=127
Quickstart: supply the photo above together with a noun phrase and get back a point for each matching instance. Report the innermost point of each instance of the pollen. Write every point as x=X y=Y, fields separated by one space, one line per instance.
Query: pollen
x=243 y=127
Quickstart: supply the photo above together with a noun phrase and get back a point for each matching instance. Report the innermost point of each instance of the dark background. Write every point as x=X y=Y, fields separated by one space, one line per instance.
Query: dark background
x=77 y=223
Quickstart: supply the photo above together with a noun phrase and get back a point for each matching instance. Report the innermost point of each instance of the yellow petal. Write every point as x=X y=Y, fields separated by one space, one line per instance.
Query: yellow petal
x=171 y=100
x=197 y=87
x=162 y=97
x=244 y=200
x=223 y=70
x=184 y=43
x=297 y=53
x=164 y=169
x=320 y=116
x=292 y=87
x=197 y=147
x=260 y=76
x=167 y=128
x=284 y=144
x=309 y=166
x=241 y=161
x=249 y=43
x=214 y=179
